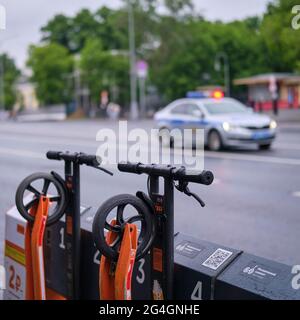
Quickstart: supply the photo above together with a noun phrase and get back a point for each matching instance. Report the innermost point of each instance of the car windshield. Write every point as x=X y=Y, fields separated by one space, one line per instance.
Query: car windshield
x=225 y=107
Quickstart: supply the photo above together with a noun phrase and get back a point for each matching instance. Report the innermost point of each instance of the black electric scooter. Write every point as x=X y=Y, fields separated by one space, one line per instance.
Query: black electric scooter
x=155 y=213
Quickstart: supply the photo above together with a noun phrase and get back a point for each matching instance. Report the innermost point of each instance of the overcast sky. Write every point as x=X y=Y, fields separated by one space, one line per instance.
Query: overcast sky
x=25 y=18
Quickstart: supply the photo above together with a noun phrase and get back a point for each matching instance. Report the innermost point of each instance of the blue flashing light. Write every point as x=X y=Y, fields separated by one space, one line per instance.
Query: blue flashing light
x=196 y=95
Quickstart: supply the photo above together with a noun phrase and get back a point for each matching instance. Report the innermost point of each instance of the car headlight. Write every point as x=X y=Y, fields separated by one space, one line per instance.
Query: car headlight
x=226 y=126
x=229 y=126
x=273 y=124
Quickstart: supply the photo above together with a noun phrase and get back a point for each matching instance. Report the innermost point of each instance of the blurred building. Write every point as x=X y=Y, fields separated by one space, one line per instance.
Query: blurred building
x=26 y=95
x=263 y=89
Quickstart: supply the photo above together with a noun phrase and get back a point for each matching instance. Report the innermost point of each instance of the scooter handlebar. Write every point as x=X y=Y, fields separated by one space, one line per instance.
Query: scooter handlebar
x=81 y=158
x=179 y=174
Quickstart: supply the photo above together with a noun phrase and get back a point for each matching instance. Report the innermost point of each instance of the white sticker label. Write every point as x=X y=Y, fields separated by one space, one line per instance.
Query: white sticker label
x=260 y=272
x=217 y=259
x=15 y=280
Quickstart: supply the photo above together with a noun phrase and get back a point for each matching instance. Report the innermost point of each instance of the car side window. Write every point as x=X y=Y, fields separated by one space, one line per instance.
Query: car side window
x=179 y=109
x=186 y=109
x=193 y=110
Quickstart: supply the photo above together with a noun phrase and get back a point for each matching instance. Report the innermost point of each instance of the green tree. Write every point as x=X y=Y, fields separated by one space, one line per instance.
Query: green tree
x=51 y=65
x=112 y=28
x=177 y=7
x=187 y=52
x=84 y=26
x=58 y=30
x=73 y=32
x=180 y=45
x=10 y=76
x=282 y=47
x=102 y=70
x=70 y=32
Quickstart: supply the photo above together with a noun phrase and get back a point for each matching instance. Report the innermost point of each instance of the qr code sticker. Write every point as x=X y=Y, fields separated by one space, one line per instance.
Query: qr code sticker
x=217 y=259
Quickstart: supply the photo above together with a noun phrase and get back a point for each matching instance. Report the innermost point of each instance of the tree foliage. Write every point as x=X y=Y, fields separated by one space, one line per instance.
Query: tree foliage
x=101 y=70
x=10 y=76
x=179 y=44
x=281 y=41
x=52 y=66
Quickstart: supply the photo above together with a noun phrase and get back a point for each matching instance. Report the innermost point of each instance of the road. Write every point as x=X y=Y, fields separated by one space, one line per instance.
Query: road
x=253 y=204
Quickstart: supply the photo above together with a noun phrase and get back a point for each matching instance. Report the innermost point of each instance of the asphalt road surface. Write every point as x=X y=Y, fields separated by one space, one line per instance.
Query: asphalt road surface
x=253 y=205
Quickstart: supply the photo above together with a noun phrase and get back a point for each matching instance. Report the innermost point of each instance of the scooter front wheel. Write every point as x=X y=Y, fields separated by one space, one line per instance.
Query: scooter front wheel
x=39 y=184
x=144 y=216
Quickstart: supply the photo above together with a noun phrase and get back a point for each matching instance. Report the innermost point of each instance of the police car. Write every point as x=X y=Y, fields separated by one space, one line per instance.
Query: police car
x=226 y=121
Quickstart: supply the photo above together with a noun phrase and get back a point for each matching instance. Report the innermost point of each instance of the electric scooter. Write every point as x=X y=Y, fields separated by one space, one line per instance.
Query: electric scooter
x=155 y=215
x=57 y=197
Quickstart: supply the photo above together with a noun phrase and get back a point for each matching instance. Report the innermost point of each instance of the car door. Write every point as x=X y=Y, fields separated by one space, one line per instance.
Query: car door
x=186 y=115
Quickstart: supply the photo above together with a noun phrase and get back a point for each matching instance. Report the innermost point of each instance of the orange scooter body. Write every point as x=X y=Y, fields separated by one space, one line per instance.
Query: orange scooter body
x=35 y=271
x=115 y=279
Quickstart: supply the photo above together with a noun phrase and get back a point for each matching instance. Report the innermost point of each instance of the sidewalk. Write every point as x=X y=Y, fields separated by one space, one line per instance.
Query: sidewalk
x=53 y=113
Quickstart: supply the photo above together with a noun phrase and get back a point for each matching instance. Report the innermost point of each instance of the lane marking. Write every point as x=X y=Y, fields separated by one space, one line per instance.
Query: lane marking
x=52 y=140
x=88 y=141
x=36 y=155
x=73 y=141
x=249 y=157
x=208 y=154
x=22 y=153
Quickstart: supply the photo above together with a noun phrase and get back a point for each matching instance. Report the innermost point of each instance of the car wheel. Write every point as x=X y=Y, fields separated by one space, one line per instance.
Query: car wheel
x=214 y=142
x=165 y=139
x=265 y=146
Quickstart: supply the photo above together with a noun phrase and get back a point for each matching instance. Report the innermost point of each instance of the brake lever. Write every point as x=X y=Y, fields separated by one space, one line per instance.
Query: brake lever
x=104 y=170
x=183 y=187
x=195 y=196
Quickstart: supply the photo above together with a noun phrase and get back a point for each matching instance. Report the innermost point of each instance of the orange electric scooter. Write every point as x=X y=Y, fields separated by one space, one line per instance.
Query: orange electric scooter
x=34 y=255
x=57 y=197
x=43 y=209
x=156 y=217
x=115 y=278
x=123 y=243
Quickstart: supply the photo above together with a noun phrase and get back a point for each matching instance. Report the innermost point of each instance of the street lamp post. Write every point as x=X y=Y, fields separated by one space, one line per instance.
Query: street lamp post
x=2 y=99
x=142 y=72
x=133 y=78
x=219 y=57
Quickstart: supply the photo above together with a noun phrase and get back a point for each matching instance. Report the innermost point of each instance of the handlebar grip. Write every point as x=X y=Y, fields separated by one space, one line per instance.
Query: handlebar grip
x=89 y=160
x=53 y=155
x=205 y=177
x=129 y=167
